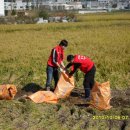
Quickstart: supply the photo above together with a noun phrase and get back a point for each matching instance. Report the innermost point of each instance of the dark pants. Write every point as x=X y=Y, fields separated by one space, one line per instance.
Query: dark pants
x=89 y=81
x=52 y=72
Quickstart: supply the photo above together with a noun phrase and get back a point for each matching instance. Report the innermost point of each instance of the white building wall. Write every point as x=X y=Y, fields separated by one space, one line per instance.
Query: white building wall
x=18 y=5
x=77 y=5
x=2 y=8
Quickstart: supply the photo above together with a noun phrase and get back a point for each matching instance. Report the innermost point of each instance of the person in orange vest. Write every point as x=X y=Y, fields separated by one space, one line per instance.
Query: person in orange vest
x=86 y=65
x=55 y=61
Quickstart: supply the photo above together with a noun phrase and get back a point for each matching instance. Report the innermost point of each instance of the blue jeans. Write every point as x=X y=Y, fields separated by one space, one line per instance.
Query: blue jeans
x=52 y=72
x=89 y=81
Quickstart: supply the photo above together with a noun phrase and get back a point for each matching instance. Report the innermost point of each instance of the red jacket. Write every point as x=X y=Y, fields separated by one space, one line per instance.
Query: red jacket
x=86 y=63
x=60 y=56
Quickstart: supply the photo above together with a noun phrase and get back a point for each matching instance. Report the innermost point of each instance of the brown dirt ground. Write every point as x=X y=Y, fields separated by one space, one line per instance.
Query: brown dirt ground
x=120 y=98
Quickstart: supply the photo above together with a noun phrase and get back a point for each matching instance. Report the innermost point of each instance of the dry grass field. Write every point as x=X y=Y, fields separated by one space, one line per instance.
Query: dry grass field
x=24 y=50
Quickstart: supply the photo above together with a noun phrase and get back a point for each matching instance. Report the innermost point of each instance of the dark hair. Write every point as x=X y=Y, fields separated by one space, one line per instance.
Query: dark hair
x=64 y=43
x=70 y=57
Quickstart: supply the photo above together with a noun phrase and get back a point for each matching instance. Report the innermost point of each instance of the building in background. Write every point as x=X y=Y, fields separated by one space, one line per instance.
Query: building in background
x=47 y=4
x=57 y=4
x=17 y=4
x=64 y=4
x=1 y=7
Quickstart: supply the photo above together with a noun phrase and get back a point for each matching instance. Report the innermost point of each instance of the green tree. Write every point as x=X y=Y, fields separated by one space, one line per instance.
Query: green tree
x=43 y=14
x=6 y=12
x=13 y=12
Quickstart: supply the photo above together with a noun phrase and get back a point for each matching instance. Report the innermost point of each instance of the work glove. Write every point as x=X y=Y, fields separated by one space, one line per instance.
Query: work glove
x=62 y=70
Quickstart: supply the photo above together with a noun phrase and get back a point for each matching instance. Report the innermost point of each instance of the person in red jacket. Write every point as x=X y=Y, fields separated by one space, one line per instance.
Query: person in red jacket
x=86 y=65
x=55 y=61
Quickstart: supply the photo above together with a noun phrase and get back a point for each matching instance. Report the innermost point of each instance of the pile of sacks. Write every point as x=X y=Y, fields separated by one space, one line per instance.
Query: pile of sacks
x=100 y=94
x=64 y=88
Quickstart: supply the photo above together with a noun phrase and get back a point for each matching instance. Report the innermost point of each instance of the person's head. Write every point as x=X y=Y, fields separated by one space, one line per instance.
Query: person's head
x=63 y=43
x=70 y=58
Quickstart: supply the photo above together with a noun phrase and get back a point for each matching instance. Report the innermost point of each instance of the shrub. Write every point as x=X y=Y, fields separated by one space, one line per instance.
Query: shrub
x=6 y=12
x=43 y=14
x=13 y=12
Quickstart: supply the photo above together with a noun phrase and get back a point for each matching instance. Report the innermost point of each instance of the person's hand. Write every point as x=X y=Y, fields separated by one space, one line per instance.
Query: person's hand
x=61 y=70
x=66 y=71
x=62 y=67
